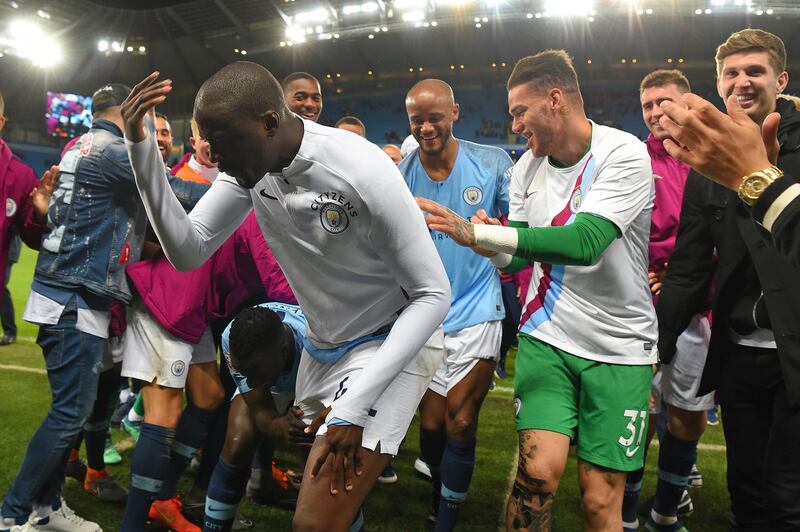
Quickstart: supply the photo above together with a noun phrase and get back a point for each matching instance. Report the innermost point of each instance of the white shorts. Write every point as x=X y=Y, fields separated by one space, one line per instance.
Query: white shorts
x=462 y=350
x=112 y=353
x=677 y=383
x=152 y=352
x=318 y=385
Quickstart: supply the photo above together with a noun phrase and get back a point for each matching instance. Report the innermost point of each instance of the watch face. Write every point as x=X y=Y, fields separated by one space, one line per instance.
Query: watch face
x=755 y=185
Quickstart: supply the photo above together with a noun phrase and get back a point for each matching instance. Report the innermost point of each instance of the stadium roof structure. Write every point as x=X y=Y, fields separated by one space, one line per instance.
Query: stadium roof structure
x=361 y=46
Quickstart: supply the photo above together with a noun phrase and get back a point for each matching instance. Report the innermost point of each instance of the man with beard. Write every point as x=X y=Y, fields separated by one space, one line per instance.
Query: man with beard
x=464 y=177
x=580 y=204
x=164 y=137
x=335 y=211
x=303 y=95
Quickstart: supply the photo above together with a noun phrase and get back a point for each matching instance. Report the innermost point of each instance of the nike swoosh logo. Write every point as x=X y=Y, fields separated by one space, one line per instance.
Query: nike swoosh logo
x=264 y=193
x=630 y=452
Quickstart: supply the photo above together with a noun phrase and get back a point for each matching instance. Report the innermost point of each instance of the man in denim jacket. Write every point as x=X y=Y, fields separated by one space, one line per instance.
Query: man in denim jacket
x=96 y=226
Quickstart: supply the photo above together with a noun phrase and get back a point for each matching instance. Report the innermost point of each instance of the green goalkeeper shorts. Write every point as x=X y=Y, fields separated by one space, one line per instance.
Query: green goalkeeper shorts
x=603 y=408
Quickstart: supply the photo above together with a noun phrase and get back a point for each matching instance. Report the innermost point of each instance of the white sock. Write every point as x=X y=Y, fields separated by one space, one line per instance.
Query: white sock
x=133 y=416
x=662 y=519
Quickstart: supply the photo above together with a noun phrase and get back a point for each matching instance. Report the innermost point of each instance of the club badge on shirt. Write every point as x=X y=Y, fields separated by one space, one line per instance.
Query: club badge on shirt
x=473 y=195
x=11 y=207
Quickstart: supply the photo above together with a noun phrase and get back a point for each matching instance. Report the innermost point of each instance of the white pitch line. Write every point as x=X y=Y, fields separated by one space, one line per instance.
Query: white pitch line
x=14 y=367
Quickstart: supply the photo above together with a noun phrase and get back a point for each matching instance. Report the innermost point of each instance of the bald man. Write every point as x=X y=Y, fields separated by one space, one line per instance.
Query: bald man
x=467 y=178
x=335 y=212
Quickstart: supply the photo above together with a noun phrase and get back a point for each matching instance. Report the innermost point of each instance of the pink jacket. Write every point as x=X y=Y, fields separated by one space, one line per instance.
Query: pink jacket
x=186 y=303
x=670 y=181
x=17 y=180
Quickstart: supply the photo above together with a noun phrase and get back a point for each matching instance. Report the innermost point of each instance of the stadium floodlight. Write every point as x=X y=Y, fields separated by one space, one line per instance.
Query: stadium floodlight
x=102 y=45
x=413 y=16
x=295 y=34
x=569 y=8
x=366 y=7
x=29 y=40
x=451 y=3
x=311 y=16
x=410 y=4
x=116 y=46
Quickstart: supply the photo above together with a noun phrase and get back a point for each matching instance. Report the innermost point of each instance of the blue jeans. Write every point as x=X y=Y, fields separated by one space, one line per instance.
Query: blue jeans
x=72 y=359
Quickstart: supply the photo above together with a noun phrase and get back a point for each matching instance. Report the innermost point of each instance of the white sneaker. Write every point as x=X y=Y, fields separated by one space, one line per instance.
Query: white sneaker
x=61 y=520
x=7 y=525
x=422 y=468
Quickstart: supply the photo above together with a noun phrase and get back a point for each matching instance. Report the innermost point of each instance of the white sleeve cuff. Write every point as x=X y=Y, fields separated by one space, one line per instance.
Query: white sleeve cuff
x=501 y=260
x=778 y=205
x=496 y=238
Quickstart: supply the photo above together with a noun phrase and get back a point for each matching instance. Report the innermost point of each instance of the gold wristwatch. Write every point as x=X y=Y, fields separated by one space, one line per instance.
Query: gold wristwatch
x=755 y=184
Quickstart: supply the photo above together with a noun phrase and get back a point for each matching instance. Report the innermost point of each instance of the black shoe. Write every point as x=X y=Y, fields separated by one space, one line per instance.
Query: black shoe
x=8 y=339
x=122 y=410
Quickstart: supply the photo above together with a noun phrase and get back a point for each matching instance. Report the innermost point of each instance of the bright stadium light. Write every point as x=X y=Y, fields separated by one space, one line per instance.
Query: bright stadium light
x=569 y=8
x=27 y=39
x=319 y=14
x=413 y=16
x=102 y=45
x=116 y=46
x=366 y=7
x=295 y=34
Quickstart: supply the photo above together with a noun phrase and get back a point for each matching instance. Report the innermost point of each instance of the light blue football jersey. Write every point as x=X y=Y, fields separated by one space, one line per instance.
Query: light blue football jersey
x=293 y=317
x=480 y=179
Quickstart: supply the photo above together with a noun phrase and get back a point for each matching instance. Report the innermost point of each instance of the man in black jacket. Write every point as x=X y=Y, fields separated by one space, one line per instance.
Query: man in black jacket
x=754 y=355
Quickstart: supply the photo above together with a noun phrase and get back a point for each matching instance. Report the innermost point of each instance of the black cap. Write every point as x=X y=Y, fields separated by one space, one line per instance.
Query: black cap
x=109 y=95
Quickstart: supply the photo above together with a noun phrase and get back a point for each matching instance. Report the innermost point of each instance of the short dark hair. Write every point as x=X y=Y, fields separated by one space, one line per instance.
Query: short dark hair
x=659 y=78
x=545 y=70
x=240 y=89
x=254 y=330
x=294 y=76
x=351 y=120
x=162 y=116
x=753 y=40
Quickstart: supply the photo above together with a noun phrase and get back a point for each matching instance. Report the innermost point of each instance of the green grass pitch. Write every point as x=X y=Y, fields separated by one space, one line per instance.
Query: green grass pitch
x=403 y=506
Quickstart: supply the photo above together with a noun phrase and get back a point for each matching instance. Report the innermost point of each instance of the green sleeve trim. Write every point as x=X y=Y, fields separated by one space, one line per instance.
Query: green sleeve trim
x=517 y=264
x=580 y=243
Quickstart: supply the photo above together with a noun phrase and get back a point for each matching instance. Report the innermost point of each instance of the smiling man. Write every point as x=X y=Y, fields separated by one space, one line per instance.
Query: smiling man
x=753 y=356
x=303 y=95
x=344 y=228
x=580 y=206
x=465 y=177
x=164 y=137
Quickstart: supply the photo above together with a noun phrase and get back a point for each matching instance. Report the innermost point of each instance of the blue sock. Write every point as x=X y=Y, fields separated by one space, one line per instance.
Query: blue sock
x=225 y=490
x=189 y=436
x=150 y=458
x=458 y=462
x=358 y=523
x=633 y=487
x=675 y=461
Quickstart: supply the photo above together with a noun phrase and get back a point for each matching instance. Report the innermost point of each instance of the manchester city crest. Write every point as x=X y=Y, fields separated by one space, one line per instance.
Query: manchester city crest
x=575 y=200
x=334 y=218
x=178 y=367
x=473 y=195
x=11 y=207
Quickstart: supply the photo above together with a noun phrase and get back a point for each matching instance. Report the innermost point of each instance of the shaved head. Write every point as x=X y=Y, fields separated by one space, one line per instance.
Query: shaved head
x=431 y=89
x=242 y=89
x=241 y=113
x=431 y=111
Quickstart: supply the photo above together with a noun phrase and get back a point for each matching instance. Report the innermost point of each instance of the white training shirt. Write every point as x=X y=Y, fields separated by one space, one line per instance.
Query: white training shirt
x=346 y=232
x=602 y=312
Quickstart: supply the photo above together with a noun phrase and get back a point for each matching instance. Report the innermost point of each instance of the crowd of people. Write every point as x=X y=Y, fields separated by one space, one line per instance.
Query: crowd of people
x=349 y=286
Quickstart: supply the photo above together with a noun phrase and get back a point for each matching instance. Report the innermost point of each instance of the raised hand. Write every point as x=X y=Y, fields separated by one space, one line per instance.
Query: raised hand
x=722 y=147
x=143 y=99
x=40 y=196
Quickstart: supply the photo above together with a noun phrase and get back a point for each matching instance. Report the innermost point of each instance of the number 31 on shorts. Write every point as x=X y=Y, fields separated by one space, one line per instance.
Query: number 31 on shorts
x=635 y=429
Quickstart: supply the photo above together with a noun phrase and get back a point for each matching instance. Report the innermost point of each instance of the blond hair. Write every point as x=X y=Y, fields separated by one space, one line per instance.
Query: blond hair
x=753 y=40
